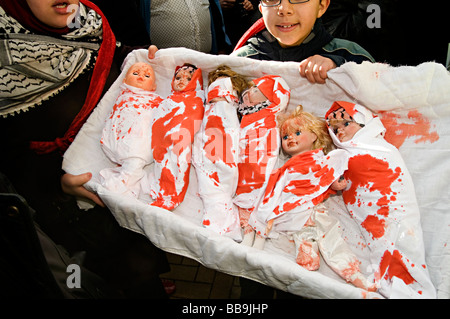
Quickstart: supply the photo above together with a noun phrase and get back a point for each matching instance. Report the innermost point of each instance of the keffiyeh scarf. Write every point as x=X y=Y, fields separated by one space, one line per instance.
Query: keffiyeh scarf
x=35 y=66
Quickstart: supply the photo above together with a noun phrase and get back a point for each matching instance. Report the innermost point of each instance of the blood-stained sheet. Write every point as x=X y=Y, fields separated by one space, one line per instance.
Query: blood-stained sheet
x=413 y=102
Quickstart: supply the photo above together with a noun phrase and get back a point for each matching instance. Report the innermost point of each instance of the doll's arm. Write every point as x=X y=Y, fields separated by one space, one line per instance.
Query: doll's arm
x=339 y=184
x=152 y=51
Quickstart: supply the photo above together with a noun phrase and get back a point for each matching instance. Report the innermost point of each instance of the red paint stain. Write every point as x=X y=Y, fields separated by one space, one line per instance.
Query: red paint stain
x=392 y=265
x=397 y=132
x=374 y=226
x=368 y=173
x=218 y=145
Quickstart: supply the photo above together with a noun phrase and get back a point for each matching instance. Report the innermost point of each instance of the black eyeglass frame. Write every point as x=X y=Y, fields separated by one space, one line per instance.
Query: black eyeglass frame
x=279 y=2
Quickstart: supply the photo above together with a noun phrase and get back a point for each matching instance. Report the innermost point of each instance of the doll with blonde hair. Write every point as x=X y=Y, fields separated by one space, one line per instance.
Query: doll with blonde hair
x=293 y=201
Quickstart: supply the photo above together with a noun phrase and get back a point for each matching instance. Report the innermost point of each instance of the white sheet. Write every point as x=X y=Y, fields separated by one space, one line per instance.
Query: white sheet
x=414 y=103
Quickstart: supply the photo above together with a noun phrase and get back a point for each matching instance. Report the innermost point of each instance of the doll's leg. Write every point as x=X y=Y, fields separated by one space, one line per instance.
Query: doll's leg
x=249 y=233
x=124 y=179
x=307 y=248
x=336 y=252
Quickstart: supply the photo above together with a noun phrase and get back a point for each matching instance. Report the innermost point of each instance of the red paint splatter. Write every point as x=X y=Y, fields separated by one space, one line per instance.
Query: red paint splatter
x=397 y=132
x=217 y=147
x=374 y=226
x=392 y=265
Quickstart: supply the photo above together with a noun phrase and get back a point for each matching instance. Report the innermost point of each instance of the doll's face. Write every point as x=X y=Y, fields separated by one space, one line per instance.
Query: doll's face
x=296 y=139
x=253 y=96
x=142 y=76
x=182 y=78
x=343 y=125
x=55 y=14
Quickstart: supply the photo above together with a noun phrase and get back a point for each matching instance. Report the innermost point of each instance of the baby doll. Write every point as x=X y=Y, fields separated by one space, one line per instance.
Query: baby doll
x=126 y=135
x=217 y=150
x=292 y=202
x=259 y=143
x=175 y=123
x=381 y=199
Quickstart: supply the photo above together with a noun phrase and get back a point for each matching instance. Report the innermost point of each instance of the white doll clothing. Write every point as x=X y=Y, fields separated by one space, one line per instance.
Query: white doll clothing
x=260 y=142
x=175 y=122
x=381 y=199
x=126 y=139
x=295 y=188
x=215 y=158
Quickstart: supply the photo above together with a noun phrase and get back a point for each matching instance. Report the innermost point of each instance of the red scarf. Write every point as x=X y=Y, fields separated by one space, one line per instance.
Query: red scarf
x=20 y=10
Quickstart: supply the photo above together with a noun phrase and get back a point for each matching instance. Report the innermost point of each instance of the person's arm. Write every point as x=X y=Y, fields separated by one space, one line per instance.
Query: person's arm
x=73 y=185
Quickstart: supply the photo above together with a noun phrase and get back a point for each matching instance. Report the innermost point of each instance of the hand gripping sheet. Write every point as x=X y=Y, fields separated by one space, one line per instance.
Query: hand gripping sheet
x=126 y=139
x=215 y=159
x=382 y=200
x=412 y=101
x=259 y=143
x=174 y=125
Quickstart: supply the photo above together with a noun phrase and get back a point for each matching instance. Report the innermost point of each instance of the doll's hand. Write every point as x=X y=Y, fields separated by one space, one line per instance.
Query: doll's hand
x=152 y=51
x=339 y=184
x=73 y=185
x=315 y=68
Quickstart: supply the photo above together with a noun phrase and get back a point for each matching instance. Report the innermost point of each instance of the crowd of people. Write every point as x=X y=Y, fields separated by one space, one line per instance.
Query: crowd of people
x=62 y=56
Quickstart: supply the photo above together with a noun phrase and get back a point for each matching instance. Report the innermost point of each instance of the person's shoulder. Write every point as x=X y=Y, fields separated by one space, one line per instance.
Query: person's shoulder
x=347 y=47
x=246 y=51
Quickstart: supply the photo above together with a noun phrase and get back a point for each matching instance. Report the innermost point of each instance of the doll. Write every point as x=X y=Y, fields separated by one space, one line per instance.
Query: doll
x=175 y=122
x=217 y=150
x=126 y=135
x=259 y=142
x=292 y=203
x=380 y=197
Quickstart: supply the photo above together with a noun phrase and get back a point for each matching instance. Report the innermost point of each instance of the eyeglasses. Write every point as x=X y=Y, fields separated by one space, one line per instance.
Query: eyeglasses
x=274 y=3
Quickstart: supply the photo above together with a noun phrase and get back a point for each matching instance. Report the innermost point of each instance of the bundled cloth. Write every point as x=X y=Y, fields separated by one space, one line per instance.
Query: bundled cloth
x=412 y=102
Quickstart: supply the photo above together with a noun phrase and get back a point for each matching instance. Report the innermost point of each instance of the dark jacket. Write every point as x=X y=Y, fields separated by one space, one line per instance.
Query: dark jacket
x=263 y=46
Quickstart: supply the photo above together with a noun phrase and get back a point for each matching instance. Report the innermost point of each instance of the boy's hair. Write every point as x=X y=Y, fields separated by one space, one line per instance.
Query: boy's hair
x=240 y=82
x=289 y=124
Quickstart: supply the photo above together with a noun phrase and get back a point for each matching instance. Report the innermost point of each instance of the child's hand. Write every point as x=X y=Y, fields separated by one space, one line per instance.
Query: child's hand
x=73 y=185
x=315 y=68
x=152 y=51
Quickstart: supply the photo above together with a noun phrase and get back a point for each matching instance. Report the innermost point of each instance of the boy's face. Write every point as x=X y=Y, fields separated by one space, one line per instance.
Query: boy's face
x=142 y=76
x=291 y=23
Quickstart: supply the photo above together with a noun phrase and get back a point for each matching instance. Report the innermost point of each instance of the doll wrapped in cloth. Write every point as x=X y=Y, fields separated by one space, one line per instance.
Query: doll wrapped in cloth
x=174 y=124
x=380 y=197
x=216 y=152
x=292 y=202
x=259 y=142
x=126 y=135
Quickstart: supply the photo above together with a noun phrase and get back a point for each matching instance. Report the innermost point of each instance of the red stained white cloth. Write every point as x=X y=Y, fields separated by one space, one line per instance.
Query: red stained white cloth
x=216 y=157
x=174 y=124
x=126 y=139
x=381 y=199
x=260 y=143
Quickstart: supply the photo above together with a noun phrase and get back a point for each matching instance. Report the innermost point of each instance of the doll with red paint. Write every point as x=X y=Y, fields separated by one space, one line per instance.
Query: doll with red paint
x=380 y=197
x=216 y=149
x=175 y=122
x=259 y=143
x=126 y=136
x=292 y=203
